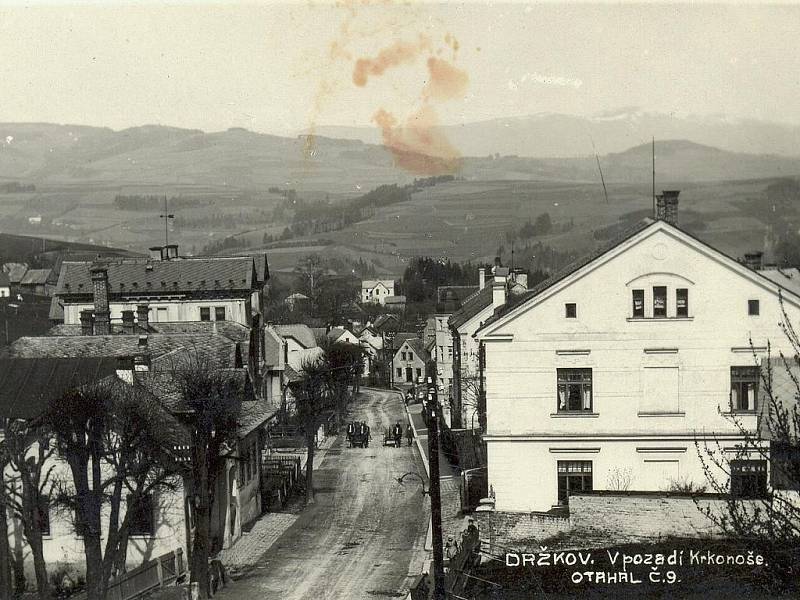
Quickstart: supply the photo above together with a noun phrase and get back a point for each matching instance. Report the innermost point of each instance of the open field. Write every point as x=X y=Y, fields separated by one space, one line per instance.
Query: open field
x=460 y=220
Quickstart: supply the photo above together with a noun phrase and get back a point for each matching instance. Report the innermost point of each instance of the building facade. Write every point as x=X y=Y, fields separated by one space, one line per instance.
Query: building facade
x=376 y=290
x=621 y=368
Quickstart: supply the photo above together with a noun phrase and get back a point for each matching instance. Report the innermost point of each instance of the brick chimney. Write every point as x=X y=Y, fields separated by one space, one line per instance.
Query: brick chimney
x=125 y=369
x=128 y=324
x=87 y=322
x=102 y=315
x=141 y=360
x=481 y=278
x=171 y=251
x=143 y=316
x=667 y=206
x=155 y=253
x=520 y=277
x=754 y=260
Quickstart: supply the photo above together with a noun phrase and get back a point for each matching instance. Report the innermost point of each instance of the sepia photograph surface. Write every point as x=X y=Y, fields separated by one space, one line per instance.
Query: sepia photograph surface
x=374 y=299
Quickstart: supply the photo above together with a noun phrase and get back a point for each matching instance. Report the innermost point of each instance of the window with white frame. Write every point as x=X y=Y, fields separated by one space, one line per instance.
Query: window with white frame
x=574 y=390
x=573 y=476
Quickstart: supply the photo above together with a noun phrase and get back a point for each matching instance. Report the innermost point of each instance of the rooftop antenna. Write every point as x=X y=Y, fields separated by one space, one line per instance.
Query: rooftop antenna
x=166 y=216
x=599 y=168
x=654 y=177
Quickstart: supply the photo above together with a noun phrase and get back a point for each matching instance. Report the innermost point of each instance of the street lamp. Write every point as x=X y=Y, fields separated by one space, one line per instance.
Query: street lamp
x=418 y=476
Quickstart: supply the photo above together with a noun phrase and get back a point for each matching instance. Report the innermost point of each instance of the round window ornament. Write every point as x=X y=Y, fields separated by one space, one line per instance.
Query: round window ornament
x=659 y=251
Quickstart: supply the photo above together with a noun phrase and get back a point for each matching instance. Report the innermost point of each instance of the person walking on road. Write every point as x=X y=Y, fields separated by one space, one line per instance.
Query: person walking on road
x=397 y=434
x=364 y=431
x=409 y=434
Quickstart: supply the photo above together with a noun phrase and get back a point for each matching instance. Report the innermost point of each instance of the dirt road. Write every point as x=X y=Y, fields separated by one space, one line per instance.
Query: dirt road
x=358 y=539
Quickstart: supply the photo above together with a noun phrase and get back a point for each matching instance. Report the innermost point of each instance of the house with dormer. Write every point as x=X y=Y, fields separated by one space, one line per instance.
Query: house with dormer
x=170 y=288
x=630 y=360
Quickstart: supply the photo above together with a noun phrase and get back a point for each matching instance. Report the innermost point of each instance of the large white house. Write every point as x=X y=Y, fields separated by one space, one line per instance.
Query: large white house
x=614 y=367
x=376 y=290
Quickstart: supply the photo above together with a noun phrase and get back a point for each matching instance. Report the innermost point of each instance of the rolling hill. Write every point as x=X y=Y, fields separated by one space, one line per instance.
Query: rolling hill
x=549 y=135
x=61 y=155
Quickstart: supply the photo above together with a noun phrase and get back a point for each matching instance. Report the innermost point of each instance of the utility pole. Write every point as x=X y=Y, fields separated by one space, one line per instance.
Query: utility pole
x=654 y=177
x=166 y=216
x=435 y=489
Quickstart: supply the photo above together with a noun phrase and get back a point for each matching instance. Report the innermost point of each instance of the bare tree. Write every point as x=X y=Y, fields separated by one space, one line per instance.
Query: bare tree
x=764 y=512
x=28 y=488
x=6 y=586
x=312 y=400
x=114 y=438
x=212 y=402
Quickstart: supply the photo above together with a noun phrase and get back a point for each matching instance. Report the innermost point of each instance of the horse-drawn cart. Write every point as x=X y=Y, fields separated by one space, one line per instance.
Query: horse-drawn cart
x=359 y=439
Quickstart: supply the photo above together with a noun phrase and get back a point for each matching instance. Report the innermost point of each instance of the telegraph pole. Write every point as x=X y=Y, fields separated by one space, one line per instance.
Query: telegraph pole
x=435 y=489
x=166 y=216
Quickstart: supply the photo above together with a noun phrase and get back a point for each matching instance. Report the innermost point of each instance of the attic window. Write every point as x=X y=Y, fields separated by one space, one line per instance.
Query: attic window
x=203 y=283
x=753 y=308
x=216 y=282
x=80 y=285
x=149 y=284
x=188 y=283
x=163 y=284
x=66 y=286
x=135 y=284
x=121 y=286
x=570 y=310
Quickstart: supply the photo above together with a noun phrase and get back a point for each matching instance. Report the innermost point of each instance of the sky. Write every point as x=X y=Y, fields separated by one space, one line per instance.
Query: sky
x=284 y=68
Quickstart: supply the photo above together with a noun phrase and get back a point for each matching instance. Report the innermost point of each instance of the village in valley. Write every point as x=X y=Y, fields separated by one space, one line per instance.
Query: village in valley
x=346 y=355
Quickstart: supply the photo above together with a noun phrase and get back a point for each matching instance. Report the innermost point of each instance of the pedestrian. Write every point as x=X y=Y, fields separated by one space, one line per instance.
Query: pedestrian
x=364 y=431
x=397 y=434
x=409 y=434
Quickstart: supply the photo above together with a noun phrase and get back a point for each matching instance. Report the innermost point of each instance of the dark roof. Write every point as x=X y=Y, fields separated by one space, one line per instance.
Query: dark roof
x=36 y=277
x=135 y=276
x=384 y=322
x=474 y=305
x=4 y=280
x=568 y=270
x=418 y=346
x=455 y=293
x=219 y=350
x=402 y=336
x=230 y=329
x=302 y=334
x=28 y=384
x=165 y=385
x=252 y=415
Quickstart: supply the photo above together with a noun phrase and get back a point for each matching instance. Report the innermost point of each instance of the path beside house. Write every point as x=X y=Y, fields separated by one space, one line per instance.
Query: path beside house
x=453 y=522
x=247 y=550
x=358 y=539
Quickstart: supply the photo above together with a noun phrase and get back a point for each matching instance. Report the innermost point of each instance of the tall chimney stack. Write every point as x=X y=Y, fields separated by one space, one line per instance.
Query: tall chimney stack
x=143 y=316
x=87 y=322
x=754 y=260
x=102 y=315
x=667 y=206
x=128 y=325
x=498 y=294
x=481 y=278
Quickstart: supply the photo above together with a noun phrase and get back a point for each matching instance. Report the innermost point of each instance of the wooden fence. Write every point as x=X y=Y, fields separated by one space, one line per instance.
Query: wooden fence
x=157 y=573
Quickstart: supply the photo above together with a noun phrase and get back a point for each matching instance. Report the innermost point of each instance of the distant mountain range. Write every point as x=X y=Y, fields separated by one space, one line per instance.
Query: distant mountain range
x=549 y=135
x=57 y=155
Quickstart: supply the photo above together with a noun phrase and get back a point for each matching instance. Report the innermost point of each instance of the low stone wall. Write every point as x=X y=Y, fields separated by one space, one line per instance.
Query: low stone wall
x=645 y=515
x=606 y=518
x=519 y=531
